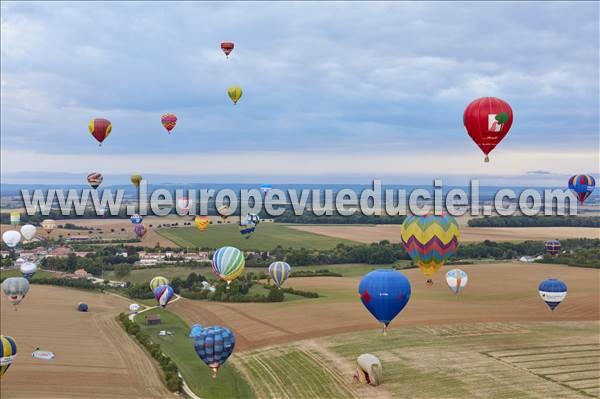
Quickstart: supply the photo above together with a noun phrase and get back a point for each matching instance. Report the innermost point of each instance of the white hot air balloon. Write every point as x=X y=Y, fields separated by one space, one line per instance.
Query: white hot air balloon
x=28 y=269
x=134 y=307
x=28 y=231
x=457 y=280
x=15 y=289
x=11 y=238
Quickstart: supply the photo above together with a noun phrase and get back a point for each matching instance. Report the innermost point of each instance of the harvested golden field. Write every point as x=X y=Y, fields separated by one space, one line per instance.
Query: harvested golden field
x=94 y=356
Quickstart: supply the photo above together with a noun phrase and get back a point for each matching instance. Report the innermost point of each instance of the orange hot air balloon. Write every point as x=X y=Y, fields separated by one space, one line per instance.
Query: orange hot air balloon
x=168 y=121
x=227 y=48
x=201 y=223
x=100 y=128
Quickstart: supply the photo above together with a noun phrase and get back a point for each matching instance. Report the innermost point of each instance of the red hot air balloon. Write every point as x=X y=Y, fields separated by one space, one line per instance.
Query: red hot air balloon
x=227 y=48
x=100 y=128
x=168 y=121
x=488 y=120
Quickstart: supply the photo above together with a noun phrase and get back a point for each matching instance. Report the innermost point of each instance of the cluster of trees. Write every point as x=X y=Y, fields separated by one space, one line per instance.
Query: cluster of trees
x=307 y=218
x=314 y=273
x=102 y=259
x=174 y=382
x=535 y=221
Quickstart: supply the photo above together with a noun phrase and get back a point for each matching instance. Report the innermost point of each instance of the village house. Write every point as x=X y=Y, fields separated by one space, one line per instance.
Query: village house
x=81 y=273
x=60 y=252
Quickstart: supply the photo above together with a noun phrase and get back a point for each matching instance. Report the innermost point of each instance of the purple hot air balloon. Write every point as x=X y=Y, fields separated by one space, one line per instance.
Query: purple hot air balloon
x=140 y=230
x=163 y=294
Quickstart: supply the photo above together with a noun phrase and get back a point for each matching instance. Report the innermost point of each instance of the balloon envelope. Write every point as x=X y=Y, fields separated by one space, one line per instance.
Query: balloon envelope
x=247 y=229
x=228 y=263
x=552 y=291
x=100 y=128
x=195 y=331
x=15 y=217
x=214 y=345
x=227 y=48
x=201 y=223
x=223 y=210
x=134 y=307
x=11 y=238
x=457 y=280
x=28 y=269
x=552 y=247
x=95 y=179
x=582 y=185
x=265 y=188
x=48 y=225
x=168 y=121
x=8 y=352
x=136 y=219
x=279 y=272
x=158 y=280
x=15 y=289
x=487 y=121
x=135 y=180
x=384 y=293
x=139 y=230
x=163 y=294
x=235 y=93
x=28 y=231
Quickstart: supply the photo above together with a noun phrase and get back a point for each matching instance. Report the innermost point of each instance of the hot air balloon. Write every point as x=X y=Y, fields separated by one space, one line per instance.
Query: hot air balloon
x=552 y=247
x=487 y=121
x=457 y=280
x=8 y=352
x=227 y=48
x=82 y=307
x=11 y=238
x=15 y=218
x=195 y=331
x=158 y=280
x=552 y=291
x=184 y=204
x=48 y=225
x=430 y=240
x=223 y=210
x=253 y=218
x=163 y=294
x=201 y=223
x=135 y=180
x=247 y=229
x=214 y=345
x=15 y=288
x=134 y=307
x=139 y=230
x=384 y=292
x=228 y=263
x=368 y=369
x=582 y=185
x=28 y=231
x=28 y=269
x=235 y=93
x=279 y=272
x=168 y=121
x=265 y=188
x=100 y=128
x=95 y=179
x=136 y=219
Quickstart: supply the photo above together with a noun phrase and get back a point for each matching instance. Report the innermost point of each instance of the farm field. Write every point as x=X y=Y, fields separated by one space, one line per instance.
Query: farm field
x=266 y=237
x=94 y=356
x=376 y=233
x=479 y=360
x=497 y=292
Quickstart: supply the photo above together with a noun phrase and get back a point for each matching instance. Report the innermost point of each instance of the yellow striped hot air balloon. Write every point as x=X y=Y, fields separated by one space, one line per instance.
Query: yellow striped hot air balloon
x=158 y=280
x=235 y=93
x=8 y=352
x=430 y=240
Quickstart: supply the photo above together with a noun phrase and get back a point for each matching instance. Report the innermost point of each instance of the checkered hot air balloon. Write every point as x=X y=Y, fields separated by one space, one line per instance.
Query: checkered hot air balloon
x=214 y=345
x=430 y=241
x=582 y=185
x=168 y=121
x=228 y=263
x=279 y=272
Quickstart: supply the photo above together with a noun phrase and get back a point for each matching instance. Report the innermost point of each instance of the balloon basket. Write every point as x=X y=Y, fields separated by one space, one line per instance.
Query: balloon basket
x=486 y=159
x=214 y=372
x=385 y=330
x=429 y=282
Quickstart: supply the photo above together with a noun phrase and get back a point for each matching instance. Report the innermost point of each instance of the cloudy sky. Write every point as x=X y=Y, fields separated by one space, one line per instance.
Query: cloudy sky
x=332 y=91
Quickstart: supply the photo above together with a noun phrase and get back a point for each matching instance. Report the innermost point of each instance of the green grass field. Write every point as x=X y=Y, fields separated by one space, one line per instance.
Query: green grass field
x=40 y=274
x=486 y=360
x=228 y=384
x=266 y=237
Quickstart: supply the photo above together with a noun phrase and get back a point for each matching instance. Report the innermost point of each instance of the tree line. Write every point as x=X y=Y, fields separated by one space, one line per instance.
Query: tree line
x=536 y=221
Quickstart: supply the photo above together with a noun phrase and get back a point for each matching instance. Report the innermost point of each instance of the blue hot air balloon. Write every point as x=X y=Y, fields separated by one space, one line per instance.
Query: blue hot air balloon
x=384 y=292
x=214 y=345
x=163 y=294
x=195 y=331
x=552 y=291
x=582 y=185
x=136 y=219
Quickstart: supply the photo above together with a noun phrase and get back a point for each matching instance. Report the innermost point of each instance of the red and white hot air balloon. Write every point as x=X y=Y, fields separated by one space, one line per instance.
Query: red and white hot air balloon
x=488 y=120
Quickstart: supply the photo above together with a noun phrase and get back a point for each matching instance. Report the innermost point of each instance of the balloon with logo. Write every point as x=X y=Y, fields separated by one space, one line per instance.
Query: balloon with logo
x=184 y=204
x=135 y=180
x=201 y=223
x=552 y=247
x=158 y=280
x=582 y=185
x=168 y=121
x=11 y=238
x=134 y=308
x=15 y=289
x=235 y=93
x=430 y=241
x=228 y=263
x=214 y=345
x=553 y=292
x=15 y=218
x=488 y=120
x=28 y=231
x=100 y=128
x=384 y=292
x=457 y=280
x=94 y=179
x=28 y=269
x=247 y=229
x=136 y=219
x=139 y=230
x=279 y=272
x=163 y=294
x=48 y=225
x=8 y=353
x=227 y=48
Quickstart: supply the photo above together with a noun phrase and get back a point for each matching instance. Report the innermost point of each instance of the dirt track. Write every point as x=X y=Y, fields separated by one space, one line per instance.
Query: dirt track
x=94 y=356
x=369 y=234
x=496 y=293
